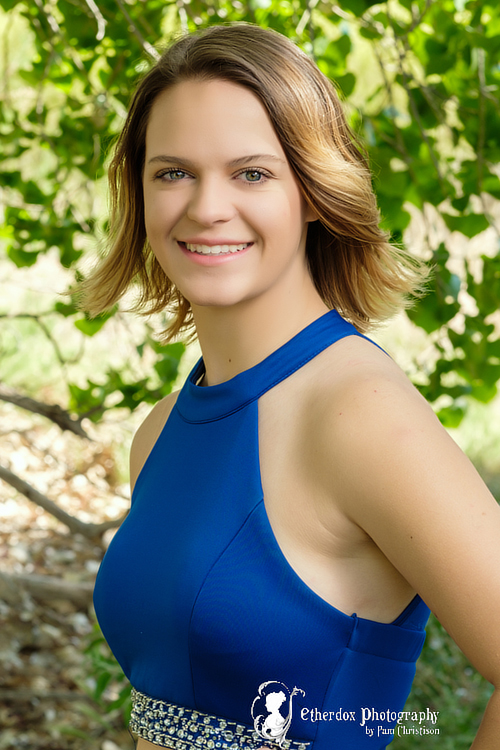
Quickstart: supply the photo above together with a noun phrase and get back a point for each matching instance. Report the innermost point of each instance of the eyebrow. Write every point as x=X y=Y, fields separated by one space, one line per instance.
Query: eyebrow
x=233 y=163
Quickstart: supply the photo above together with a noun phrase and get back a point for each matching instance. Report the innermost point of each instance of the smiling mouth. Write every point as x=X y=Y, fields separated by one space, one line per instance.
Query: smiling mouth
x=215 y=249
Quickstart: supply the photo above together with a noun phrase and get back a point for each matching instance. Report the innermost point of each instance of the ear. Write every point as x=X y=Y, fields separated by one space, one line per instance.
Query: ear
x=310 y=213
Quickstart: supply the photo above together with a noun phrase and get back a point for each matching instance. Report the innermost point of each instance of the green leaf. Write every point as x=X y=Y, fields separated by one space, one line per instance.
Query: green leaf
x=90 y=326
x=431 y=313
x=357 y=7
x=460 y=204
x=484 y=392
x=68 y=254
x=90 y=399
x=451 y=416
x=491 y=185
x=65 y=309
x=440 y=58
x=440 y=305
x=22 y=258
x=102 y=682
x=167 y=366
x=394 y=217
x=470 y=224
x=427 y=114
x=123 y=701
x=487 y=293
x=370 y=32
x=346 y=83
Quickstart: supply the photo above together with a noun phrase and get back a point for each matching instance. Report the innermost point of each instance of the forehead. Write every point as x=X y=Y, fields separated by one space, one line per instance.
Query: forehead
x=204 y=118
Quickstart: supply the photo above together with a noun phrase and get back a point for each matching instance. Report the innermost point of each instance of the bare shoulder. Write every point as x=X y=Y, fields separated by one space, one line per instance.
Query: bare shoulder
x=147 y=435
x=370 y=411
x=358 y=408
x=354 y=380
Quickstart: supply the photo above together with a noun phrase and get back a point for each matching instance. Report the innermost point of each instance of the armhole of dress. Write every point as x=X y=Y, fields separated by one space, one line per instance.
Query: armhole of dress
x=414 y=616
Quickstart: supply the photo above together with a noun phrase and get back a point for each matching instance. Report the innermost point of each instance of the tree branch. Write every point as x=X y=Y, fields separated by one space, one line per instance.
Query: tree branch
x=481 y=138
x=54 y=26
x=101 y=21
x=399 y=145
x=418 y=18
x=93 y=531
x=481 y=116
x=416 y=117
x=53 y=412
x=147 y=47
x=27 y=694
x=46 y=588
x=38 y=317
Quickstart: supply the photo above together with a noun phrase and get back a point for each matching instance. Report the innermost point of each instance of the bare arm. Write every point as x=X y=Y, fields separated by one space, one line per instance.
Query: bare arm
x=405 y=482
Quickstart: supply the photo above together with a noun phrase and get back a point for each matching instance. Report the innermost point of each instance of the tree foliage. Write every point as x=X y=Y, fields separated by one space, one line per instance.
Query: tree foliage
x=420 y=79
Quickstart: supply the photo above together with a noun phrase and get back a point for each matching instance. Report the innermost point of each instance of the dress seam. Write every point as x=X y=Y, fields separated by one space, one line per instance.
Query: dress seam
x=336 y=671
x=202 y=585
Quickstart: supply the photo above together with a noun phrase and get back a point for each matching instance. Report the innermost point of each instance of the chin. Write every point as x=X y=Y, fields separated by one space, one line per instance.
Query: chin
x=214 y=302
x=211 y=298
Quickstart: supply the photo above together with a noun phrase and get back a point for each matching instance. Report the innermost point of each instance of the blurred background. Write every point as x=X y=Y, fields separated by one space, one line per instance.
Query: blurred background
x=420 y=81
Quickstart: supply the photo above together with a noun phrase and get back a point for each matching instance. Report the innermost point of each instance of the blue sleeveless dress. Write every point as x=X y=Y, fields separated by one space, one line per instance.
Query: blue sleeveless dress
x=206 y=616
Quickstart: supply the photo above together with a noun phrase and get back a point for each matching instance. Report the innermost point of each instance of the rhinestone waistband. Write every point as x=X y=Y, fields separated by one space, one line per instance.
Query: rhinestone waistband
x=180 y=728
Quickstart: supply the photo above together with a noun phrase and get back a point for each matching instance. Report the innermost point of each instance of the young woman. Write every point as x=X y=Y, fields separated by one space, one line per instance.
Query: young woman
x=297 y=502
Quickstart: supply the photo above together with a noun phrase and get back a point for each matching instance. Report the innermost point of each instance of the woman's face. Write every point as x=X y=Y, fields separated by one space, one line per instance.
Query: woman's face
x=223 y=211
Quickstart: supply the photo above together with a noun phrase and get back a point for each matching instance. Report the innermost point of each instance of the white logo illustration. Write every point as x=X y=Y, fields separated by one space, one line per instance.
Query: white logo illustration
x=272 y=710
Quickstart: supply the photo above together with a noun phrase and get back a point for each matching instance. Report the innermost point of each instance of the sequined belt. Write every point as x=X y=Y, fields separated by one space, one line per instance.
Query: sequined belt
x=180 y=728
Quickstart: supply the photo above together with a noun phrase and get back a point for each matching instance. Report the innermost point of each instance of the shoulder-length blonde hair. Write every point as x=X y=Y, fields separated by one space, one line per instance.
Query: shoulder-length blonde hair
x=354 y=267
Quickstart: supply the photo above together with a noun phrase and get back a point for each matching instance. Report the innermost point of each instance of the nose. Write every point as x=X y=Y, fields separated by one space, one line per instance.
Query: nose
x=210 y=202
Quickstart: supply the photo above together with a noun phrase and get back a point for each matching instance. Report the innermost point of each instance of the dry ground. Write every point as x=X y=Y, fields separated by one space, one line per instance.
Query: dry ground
x=45 y=682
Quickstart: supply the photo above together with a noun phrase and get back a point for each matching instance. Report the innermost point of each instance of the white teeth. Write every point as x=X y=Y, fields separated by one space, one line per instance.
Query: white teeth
x=216 y=249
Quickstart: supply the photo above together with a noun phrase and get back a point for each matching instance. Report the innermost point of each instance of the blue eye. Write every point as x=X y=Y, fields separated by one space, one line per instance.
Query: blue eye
x=254 y=175
x=171 y=175
x=174 y=174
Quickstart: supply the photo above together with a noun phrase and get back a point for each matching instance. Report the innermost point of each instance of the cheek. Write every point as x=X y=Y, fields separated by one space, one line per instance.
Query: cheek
x=150 y=212
x=155 y=224
x=289 y=211
x=160 y=216
x=275 y=216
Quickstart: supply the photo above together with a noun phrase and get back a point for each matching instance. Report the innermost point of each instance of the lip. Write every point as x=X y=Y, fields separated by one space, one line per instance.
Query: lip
x=212 y=260
x=212 y=242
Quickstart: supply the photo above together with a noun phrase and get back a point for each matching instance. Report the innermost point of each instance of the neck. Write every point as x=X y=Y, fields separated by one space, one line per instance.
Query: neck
x=235 y=338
